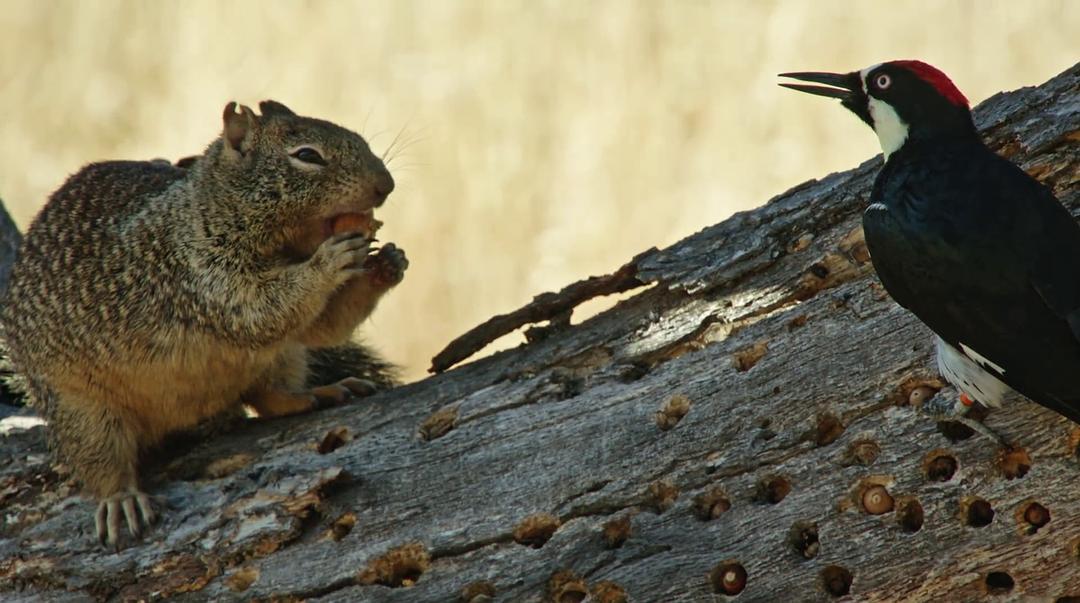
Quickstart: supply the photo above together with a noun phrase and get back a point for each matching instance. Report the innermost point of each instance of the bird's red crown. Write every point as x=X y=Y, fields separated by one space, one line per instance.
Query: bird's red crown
x=936 y=78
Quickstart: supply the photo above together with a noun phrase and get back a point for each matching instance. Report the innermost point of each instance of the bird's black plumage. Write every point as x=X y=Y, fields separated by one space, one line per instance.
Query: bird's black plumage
x=986 y=257
x=976 y=248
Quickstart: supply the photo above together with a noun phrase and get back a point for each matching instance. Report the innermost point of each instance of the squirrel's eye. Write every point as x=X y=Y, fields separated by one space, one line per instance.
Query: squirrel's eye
x=309 y=155
x=883 y=81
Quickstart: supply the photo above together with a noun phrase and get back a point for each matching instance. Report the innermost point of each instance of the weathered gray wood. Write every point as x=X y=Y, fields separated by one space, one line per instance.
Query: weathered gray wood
x=771 y=324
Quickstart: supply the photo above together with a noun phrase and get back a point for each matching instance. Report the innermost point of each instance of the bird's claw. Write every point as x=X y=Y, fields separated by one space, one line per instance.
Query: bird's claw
x=133 y=507
x=951 y=405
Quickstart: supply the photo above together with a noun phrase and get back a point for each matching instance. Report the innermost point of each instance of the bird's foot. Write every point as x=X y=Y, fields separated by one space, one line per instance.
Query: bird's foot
x=950 y=404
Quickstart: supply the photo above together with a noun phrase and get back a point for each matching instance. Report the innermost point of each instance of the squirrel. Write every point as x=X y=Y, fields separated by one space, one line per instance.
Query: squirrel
x=147 y=297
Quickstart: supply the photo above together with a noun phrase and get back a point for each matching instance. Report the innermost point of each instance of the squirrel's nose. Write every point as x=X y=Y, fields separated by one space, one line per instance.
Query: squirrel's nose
x=383 y=185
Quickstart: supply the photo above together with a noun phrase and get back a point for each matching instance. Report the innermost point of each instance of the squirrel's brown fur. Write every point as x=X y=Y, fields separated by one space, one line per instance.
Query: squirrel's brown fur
x=146 y=297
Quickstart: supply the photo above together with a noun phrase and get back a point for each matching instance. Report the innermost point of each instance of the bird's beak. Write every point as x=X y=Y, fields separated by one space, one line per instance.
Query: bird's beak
x=845 y=85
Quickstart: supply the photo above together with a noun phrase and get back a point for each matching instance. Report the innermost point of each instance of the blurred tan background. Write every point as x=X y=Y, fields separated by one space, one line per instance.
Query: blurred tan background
x=540 y=142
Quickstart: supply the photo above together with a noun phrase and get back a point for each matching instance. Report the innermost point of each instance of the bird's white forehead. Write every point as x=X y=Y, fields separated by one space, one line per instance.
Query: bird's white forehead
x=865 y=72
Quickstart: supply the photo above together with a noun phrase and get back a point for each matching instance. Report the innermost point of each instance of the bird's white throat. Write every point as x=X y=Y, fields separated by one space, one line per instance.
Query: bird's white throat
x=890 y=129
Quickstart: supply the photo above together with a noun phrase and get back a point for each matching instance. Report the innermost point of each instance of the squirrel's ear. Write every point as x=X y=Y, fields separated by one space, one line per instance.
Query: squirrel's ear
x=269 y=107
x=239 y=128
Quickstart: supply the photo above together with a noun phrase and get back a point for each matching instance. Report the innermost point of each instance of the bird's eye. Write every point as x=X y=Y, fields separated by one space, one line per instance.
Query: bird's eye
x=309 y=155
x=883 y=81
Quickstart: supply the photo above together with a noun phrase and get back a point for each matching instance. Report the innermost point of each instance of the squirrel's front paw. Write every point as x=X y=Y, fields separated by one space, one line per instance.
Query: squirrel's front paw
x=387 y=267
x=342 y=256
x=132 y=507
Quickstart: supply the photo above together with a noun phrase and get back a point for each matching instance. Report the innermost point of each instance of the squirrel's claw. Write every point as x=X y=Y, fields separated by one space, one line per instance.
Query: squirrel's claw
x=132 y=507
x=338 y=393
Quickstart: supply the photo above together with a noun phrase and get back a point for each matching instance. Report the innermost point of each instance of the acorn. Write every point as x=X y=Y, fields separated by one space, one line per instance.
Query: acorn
x=1036 y=516
x=356 y=222
x=728 y=578
x=920 y=394
x=876 y=500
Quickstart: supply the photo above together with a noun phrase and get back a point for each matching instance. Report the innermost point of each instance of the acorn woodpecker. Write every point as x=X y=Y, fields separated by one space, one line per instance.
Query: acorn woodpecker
x=977 y=249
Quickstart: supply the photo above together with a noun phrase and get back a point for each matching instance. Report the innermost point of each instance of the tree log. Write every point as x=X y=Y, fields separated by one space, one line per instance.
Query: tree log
x=741 y=426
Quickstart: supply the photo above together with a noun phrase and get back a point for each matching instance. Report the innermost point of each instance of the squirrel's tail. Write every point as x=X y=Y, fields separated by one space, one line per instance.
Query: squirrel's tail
x=329 y=365
x=325 y=366
x=14 y=387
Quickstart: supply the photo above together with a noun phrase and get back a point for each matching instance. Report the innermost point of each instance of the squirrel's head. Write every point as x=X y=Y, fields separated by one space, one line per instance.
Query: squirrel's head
x=298 y=173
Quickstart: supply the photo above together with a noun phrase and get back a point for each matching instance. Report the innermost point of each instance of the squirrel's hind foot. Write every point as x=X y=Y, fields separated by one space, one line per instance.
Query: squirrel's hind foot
x=338 y=393
x=133 y=507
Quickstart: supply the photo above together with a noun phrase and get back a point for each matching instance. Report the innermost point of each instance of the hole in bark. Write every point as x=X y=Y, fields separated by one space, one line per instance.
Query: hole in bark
x=607 y=591
x=711 y=504
x=939 y=466
x=1067 y=599
x=566 y=587
x=438 y=424
x=242 y=579
x=535 y=530
x=797 y=322
x=829 y=429
x=1014 y=463
x=728 y=578
x=977 y=513
x=909 y=514
x=672 y=411
x=617 y=531
x=955 y=432
x=819 y=270
x=398 y=567
x=341 y=526
x=478 y=592
x=633 y=372
x=836 y=580
x=662 y=495
x=999 y=583
x=772 y=489
x=335 y=438
x=1033 y=517
x=746 y=358
x=862 y=452
x=803 y=537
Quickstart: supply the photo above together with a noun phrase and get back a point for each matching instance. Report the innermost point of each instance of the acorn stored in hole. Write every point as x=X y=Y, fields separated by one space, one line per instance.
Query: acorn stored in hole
x=728 y=578
x=1035 y=516
x=920 y=394
x=711 y=504
x=877 y=500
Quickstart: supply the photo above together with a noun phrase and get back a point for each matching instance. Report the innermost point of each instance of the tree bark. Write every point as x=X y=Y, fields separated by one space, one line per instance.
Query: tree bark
x=743 y=421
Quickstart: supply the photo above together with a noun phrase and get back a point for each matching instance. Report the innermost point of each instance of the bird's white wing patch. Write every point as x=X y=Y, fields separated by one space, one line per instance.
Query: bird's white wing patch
x=977 y=357
x=963 y=370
